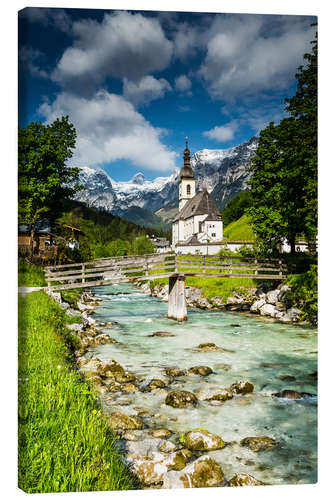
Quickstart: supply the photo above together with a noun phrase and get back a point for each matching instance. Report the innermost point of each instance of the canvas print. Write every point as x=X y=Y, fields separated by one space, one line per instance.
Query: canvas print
x=167 y=250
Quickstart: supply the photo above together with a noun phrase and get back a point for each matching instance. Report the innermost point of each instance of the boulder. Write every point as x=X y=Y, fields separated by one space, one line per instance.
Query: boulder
x=291 y=316
x=217 y=302
x=267 y=310
x=72 y=313
x=110 y=369
x=148 y=471
x=121 y=421
x=124 y=377
x=255 y=308
x=242 y=387
x=160 y=433
x=202 y=440
x=181 y=399
x=244 y=480
x=64 y=305
x=261 y=443
x=210 y=347
x=84 y=307
x=130 y=388
x=215 y=394
x=75 y=327
x=175 y=372
x=200 y=370
x=272 y=296
x=202 y=473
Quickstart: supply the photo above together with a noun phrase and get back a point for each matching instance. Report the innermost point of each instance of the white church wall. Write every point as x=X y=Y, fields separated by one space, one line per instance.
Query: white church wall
x=184 y=195
x=198 y=249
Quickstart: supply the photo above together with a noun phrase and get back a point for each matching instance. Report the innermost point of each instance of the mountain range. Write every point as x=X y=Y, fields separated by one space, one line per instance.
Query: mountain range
x=223 y=172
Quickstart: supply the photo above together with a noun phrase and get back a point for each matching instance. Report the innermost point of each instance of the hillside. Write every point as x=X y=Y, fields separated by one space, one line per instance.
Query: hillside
x=239 y=230
x=104 y=234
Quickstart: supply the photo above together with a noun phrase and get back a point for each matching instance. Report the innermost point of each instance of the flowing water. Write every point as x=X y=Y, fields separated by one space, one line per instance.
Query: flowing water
x=261 y=351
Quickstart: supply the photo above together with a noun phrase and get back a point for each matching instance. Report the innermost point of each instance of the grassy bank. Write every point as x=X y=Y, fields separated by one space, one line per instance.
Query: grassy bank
x=215 y=287
x=65 y=443
x=30 y=275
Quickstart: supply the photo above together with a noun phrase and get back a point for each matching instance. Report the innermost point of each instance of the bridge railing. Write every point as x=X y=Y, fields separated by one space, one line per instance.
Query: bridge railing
x=149 y=267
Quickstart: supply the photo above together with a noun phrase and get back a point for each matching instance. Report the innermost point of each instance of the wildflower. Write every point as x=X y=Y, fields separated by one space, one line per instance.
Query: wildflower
x=94 y=412
x=59 y=366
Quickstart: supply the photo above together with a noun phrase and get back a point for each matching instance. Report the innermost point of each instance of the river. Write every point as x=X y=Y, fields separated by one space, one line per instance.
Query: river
x=261 y=350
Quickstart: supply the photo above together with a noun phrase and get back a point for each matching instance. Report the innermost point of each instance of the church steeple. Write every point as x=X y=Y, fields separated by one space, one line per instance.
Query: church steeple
x=187 y=181
x=187 y=172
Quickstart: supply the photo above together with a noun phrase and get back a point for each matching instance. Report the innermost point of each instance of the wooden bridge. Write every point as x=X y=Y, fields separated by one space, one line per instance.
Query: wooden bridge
x=129 y=269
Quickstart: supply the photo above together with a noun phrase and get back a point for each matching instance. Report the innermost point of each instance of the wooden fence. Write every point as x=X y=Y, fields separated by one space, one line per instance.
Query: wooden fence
x=153 y=266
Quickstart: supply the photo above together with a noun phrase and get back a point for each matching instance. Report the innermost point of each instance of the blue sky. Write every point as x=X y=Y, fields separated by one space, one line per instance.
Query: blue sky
x=135 y=83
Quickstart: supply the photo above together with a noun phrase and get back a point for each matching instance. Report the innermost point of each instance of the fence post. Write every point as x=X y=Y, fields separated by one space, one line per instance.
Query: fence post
x=146 y=266
x=203 y=263
x=256 y=266
x=83 y=272
x=176 y=263
x=280 y=267
x=230 y=266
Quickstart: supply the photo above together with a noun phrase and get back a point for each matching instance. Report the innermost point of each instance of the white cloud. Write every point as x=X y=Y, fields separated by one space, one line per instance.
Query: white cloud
x=224 y=133
x=145 y=90
x=123 y=45
x=110 y=129
x=249 y=54
x=183 y=84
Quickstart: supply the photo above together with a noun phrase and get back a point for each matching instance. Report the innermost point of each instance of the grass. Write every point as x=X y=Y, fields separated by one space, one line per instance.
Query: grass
x=71 y=296
x=64 y=442
x=239 y=230
x=30 y=275
x=215 y=287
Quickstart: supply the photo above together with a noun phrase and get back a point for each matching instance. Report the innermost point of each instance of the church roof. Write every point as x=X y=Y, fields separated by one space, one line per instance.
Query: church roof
x=200 y=204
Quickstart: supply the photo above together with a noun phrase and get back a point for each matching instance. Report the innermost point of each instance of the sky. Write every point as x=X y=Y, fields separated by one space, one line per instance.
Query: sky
x=135 y=83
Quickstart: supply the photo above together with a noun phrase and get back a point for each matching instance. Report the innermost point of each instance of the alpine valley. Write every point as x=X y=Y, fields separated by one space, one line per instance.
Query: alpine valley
x=223 y=172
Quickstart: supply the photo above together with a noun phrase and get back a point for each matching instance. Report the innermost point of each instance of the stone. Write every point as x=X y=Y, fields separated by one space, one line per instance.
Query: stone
x=156 y=383
x=110 y=369
x=287 y=378
x=267 y=310
x=202 y=440
x=202 y=473
x=290 y=394
x=255 y=308
x=244 y=480
x=142 y=448
x=200 y=370
x=64 y=305
x=235 y=325
x=121 y=421
x=217 y=302
x=130 y=388
x=180 y=399
x=148 y=471
x=72 y=313
x=84 y=307
x=160 y=433
x=210 y=347
x=261 y=443
x=272 y=296
x=124 y=377
x=75 y=327
x=161 y=334
x=175 y=372
x=167 y=446
x=242 y=387
x=215 y=394
x=291 y=316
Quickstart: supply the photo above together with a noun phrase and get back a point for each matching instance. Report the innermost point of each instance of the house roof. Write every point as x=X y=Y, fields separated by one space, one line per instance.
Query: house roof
x=200 y=204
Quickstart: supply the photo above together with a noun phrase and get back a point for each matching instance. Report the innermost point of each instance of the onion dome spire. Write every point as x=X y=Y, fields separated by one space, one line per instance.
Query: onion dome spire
x=187 y=172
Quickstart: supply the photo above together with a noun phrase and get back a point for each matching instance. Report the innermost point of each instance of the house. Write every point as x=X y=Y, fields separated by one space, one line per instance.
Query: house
x=198 y=226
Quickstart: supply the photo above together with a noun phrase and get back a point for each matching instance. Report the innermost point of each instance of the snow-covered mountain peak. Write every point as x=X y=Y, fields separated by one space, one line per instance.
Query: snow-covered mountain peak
x=138 y=178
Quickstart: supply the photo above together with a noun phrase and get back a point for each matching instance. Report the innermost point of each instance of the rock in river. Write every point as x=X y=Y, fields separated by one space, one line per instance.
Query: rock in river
x=242 y=387
x=175 y=372
x=200 y=370
x=202 y=473
x=214 y=394
x=244 y=480
x=290 y=394
x=202 y=440
x=260 y=443
x=161 y=334
x=160 y=433
x=180 y=399
x=121 y=421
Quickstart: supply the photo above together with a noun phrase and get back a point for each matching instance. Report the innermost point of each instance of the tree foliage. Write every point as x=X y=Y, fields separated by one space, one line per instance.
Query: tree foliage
x=284 y=180
x=43 y=174
x=236 y=207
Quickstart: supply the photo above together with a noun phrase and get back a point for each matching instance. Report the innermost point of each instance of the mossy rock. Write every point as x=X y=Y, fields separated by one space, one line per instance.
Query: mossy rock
x=242 y=387
x=175 y=372
x=200 y=370
x=121 y=421
x=110 y=369
x=244 y=480
x=181 y=399
x=203 y=440
x=160 y=433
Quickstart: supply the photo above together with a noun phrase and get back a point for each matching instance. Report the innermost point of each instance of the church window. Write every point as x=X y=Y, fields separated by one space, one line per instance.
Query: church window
x=188 y=189
x=213 y=234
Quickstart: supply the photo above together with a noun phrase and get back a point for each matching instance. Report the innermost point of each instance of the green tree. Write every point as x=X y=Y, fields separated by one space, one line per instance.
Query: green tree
x=44 y=178
x=236 y=207
x=284 y=170
x=142 y=245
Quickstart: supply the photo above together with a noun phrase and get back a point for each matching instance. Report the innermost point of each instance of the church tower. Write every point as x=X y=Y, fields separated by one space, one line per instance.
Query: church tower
x=187 y=181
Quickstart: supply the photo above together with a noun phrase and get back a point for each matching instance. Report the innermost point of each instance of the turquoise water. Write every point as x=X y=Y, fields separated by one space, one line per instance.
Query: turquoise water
x=261 y=351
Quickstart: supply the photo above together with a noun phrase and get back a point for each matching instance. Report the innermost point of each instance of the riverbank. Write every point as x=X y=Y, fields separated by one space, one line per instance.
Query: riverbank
x=65 y=444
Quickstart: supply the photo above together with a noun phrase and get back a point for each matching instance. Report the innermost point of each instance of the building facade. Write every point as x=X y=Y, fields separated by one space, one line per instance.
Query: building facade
x=198 y=226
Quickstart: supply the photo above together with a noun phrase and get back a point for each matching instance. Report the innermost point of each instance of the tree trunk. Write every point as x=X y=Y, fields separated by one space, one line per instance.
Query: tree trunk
x=292 y=243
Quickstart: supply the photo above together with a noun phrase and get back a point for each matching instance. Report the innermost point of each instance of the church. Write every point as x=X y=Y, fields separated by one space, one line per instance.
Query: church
x=198 y=226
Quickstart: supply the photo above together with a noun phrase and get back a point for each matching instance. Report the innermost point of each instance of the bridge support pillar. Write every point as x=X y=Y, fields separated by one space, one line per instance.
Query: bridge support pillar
x=177 y=300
